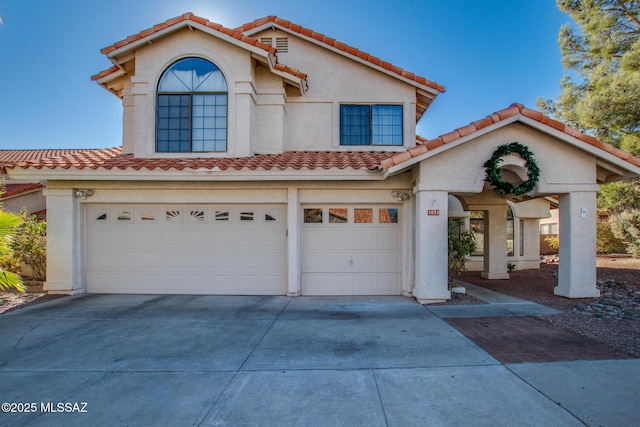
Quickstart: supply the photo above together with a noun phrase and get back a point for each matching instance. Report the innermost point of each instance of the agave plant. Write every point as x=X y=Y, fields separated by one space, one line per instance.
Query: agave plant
x=8 y=224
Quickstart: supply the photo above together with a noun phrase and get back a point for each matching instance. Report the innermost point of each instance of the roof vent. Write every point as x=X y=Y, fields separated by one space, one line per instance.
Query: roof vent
x=282 y=44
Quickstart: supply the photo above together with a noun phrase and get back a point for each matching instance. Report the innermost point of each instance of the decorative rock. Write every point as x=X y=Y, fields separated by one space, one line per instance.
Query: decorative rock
x=617 y=301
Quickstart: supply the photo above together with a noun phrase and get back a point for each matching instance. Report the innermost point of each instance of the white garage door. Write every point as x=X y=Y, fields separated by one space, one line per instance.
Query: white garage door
x=351 y=250
x=189 y=249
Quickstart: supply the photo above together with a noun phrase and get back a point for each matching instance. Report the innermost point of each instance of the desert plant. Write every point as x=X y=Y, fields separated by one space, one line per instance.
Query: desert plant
x=29 y=245
x=626 y=227
x=462 y=243
x=553 y=241
x=8 y=226
x=606 y=241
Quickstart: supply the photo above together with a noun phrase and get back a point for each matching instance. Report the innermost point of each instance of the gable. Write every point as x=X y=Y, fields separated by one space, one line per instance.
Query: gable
x=610 y=163
x=123 y=53
x=425 y=90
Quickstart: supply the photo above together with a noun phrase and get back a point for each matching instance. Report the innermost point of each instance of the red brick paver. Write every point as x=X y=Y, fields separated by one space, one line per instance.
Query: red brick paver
x=526 y=339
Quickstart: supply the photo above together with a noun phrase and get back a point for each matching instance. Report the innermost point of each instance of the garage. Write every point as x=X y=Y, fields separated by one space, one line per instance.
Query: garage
x=351 y=250
x=186 y=249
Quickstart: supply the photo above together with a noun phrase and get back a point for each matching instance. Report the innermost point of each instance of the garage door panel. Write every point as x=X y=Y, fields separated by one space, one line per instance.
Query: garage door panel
x=186 y=249
x=359 y=257
x=363 y=238
x=320 y=262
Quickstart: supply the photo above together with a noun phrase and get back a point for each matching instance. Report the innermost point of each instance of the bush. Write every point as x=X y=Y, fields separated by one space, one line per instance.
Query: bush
x=553 y=242
x=462 y=243
x=606 y=241
x=626 y=227
x=29 y=246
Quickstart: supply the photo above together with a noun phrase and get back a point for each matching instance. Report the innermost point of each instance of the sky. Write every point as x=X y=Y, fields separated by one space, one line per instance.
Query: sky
x=487 y=54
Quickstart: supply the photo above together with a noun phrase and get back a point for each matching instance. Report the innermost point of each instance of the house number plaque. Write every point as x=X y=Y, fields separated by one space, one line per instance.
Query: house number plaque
x=433 y=212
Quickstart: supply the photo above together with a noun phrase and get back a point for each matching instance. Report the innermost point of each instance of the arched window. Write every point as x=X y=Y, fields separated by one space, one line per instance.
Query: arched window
x=192 y=108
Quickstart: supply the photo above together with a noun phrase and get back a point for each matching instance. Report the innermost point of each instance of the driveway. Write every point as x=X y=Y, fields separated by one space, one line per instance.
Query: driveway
x=280 y=361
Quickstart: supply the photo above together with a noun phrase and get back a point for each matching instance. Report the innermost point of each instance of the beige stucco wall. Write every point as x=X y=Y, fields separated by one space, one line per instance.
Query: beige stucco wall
x=33 y=202
x=460 y=169
x=152 y=60
x=263 y=115
x=313 y=119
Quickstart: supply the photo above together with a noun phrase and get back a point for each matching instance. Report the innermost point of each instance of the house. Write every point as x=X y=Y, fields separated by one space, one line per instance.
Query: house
x=22 y=194
x=25 y=193
x=270 y=159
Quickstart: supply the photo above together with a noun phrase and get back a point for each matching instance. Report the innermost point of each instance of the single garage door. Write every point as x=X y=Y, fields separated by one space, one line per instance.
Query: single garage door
x=354 y=250
x=188 y=249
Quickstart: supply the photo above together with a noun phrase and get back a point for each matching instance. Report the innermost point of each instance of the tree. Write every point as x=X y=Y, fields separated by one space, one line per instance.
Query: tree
x=602 y=49
x=602 y=96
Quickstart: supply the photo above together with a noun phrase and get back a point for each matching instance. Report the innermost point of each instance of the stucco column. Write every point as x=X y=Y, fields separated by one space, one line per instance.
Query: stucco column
x=577 y=268
x=431 y=248
x=293 y=242
x=495 y=243
x=64 y=247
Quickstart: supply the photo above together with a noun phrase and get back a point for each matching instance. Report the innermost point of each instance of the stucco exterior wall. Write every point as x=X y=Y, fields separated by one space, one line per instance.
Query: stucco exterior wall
x=313 y=120
x=33 y=202
x=460 y=169
x=152 y=60
x=263 y=116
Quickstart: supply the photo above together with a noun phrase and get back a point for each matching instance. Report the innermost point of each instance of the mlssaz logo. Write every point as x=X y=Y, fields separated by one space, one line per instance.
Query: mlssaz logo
x=63 y=407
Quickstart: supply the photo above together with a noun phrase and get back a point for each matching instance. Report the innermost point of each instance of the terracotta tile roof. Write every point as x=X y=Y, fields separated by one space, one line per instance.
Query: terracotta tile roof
x=238 y=35
x=512 y=110
x=14 y=156
x=15 y=189
x=112 y=158
x=340 y=46
x=188 y=17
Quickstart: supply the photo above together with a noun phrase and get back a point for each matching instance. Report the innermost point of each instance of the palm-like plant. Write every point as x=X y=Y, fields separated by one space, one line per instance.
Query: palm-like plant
x=8 y=224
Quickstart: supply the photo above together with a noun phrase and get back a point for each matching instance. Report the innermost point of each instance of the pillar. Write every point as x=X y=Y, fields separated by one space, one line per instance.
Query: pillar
x=293 y=243
x=431 y=247
x=495 y=243
x=64 y=243
x=577 y=267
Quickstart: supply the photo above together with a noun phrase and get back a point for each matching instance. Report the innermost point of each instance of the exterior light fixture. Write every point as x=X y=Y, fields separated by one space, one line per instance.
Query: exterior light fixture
x=400 y=195
x=83 y=194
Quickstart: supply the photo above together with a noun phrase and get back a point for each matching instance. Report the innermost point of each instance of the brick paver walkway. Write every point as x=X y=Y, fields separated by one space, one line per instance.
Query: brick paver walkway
x=526 y=339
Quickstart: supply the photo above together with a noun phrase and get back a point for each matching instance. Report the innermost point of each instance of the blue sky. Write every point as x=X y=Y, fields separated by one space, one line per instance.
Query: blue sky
x=487 y=53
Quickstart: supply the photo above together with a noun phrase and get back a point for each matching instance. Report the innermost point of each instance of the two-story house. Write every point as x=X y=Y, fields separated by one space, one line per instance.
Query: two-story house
x=273 y=160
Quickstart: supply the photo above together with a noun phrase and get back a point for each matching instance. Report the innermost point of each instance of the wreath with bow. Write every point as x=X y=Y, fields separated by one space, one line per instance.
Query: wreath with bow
x=494 y=174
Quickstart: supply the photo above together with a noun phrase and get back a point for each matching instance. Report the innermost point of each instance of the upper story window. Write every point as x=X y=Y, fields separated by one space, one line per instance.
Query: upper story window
x=192 y=108
x=370 y=124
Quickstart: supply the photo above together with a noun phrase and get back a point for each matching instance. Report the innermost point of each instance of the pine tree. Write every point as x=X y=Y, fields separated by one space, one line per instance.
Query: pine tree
x=602 y=51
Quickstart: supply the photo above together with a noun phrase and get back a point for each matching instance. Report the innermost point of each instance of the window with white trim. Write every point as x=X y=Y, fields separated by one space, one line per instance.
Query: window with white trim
x=191 y=108
x=370 y=124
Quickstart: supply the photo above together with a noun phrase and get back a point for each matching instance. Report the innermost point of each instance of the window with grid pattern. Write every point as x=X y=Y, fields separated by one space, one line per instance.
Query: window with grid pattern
x=192 y=108
x=370 y=124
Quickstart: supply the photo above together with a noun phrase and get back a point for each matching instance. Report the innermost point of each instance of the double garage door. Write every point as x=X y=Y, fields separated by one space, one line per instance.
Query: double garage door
x=240 y=250
x=237 y=250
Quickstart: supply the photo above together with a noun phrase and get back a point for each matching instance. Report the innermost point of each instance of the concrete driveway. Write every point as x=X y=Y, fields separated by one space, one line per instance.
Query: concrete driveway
x=279 y=361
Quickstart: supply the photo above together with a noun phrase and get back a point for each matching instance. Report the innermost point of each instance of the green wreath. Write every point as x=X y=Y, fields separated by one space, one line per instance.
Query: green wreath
x=494 y=175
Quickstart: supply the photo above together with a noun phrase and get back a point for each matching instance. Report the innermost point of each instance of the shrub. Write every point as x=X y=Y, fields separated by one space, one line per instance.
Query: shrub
x=554 y=242
x=462 y=243
x=606 y=241
x=626 y=227
x=8 y=229
x=29 y=245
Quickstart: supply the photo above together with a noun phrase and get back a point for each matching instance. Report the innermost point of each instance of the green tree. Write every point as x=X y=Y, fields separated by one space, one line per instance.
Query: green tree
x=602 y=50
x=601 y=96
